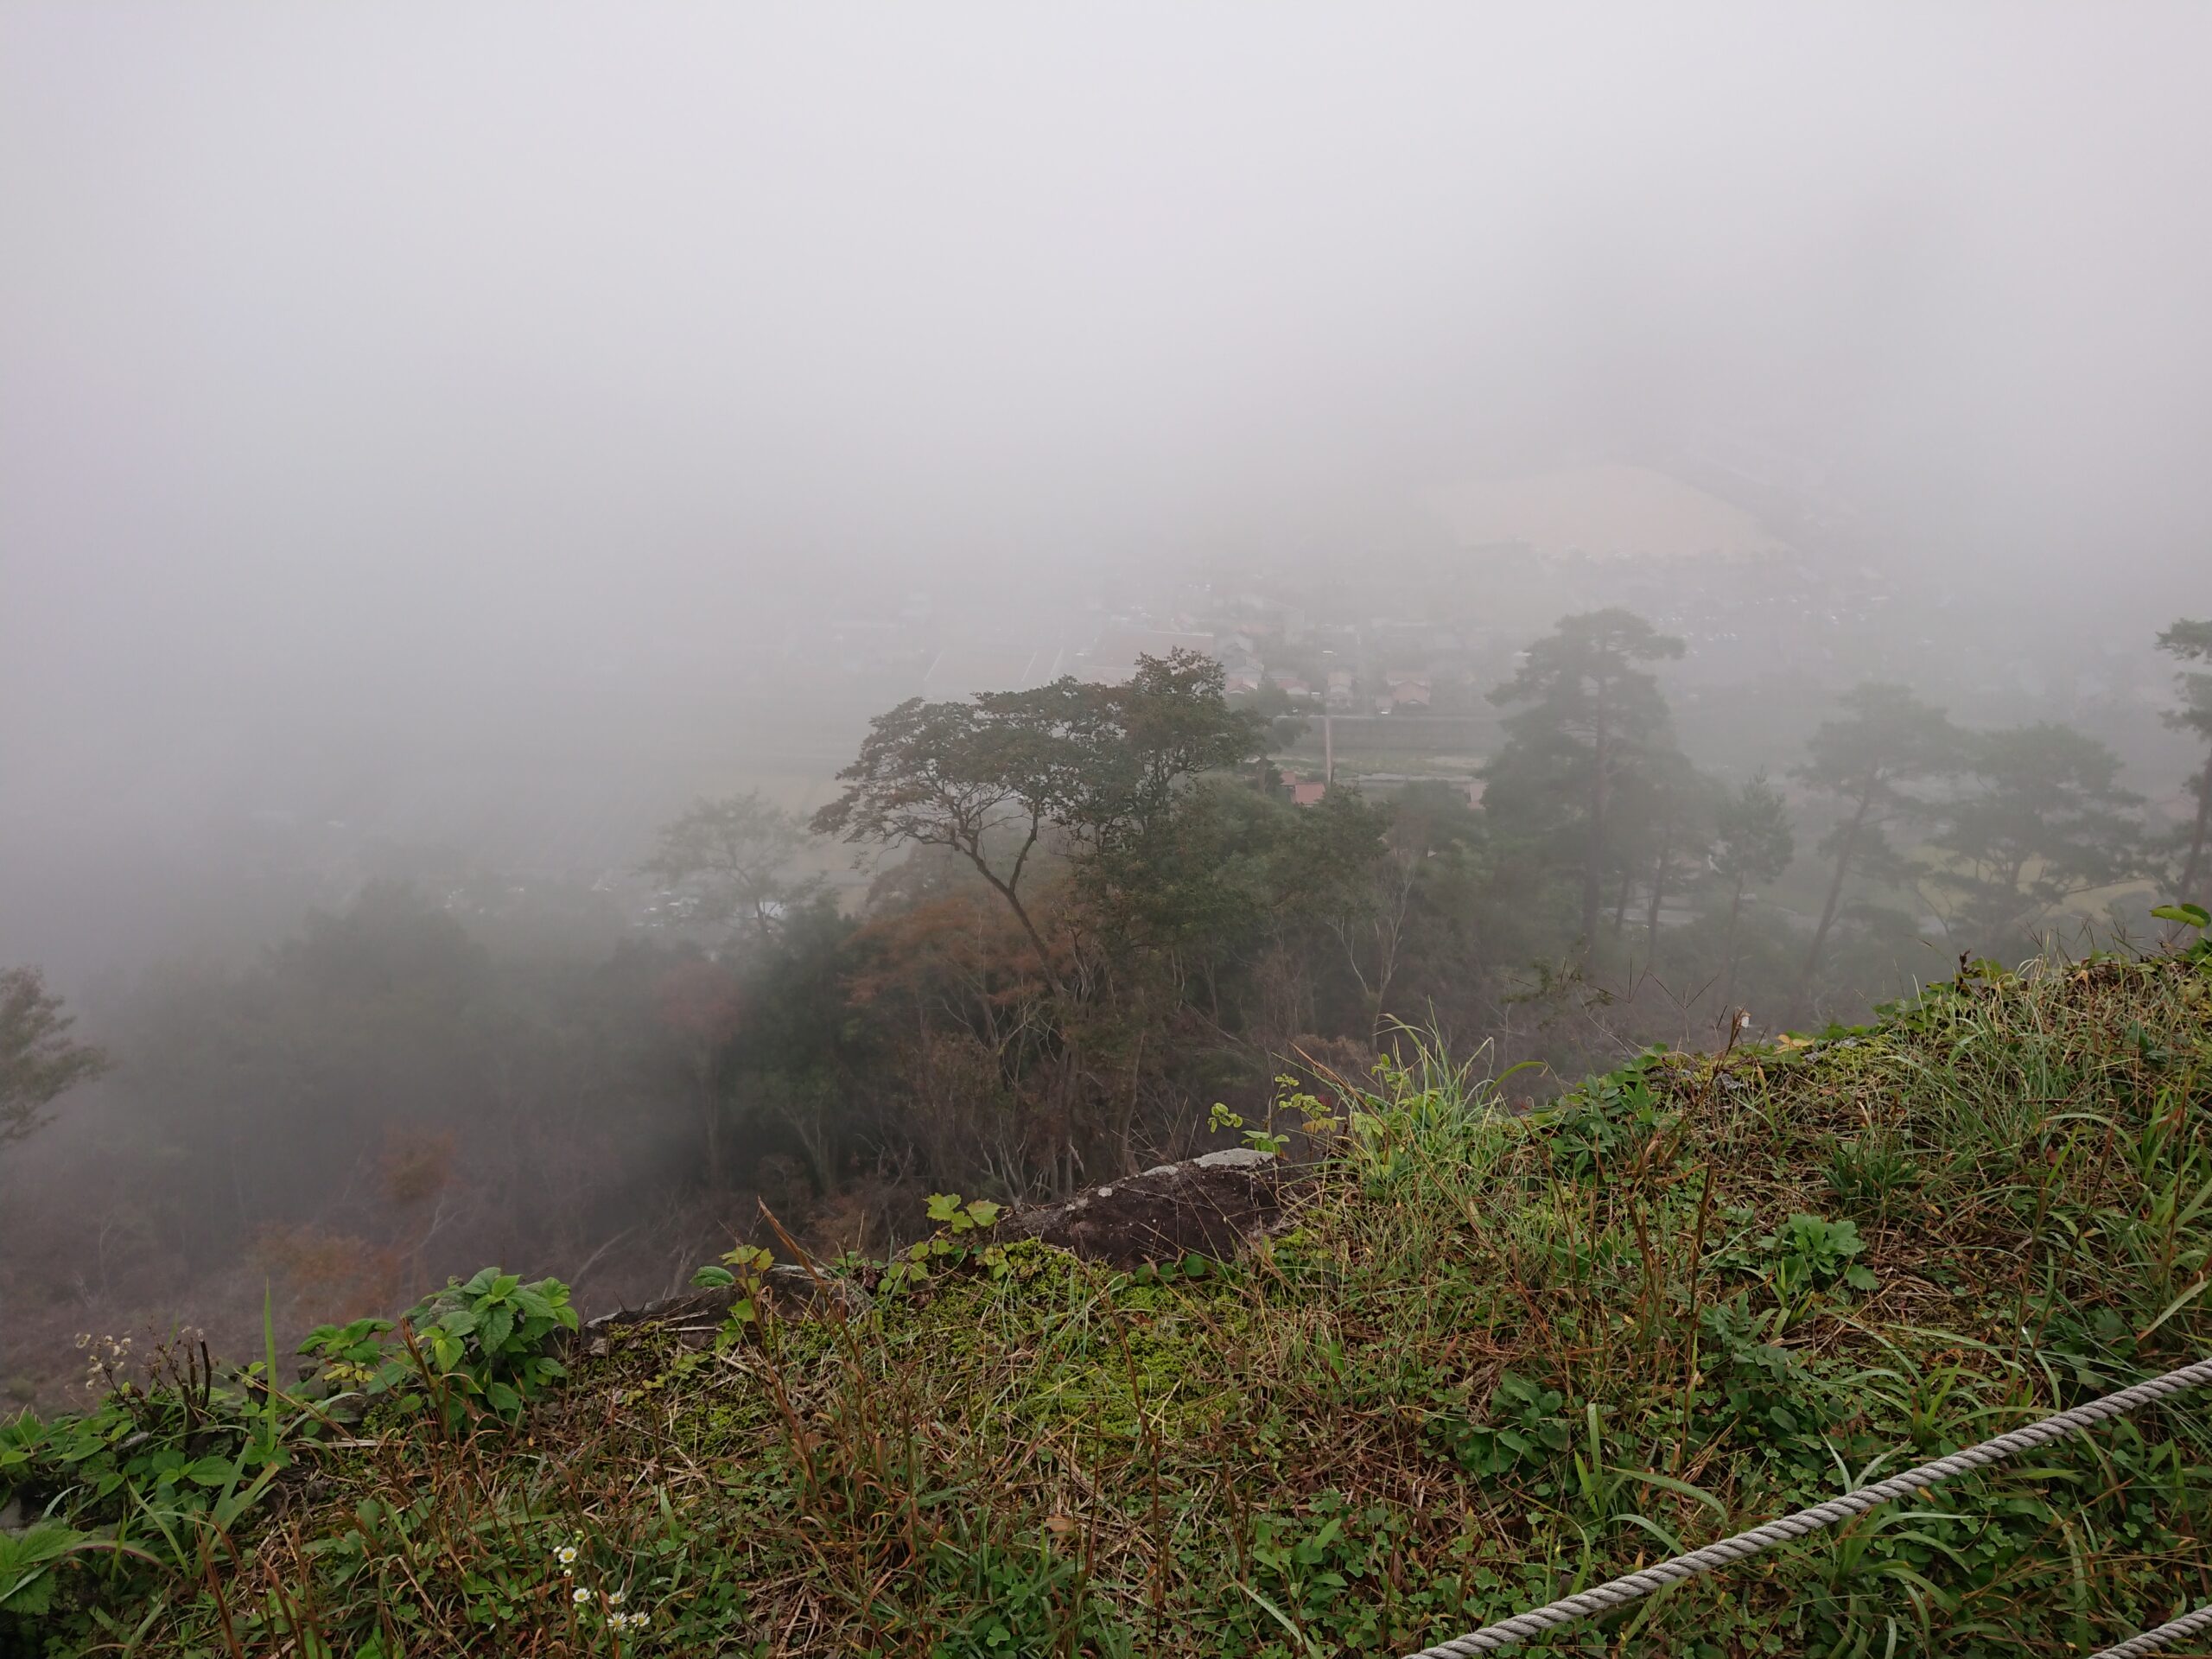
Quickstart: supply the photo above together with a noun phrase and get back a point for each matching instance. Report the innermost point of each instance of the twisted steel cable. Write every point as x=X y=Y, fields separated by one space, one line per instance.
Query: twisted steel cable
x=1635 y=1585
x=2151 y=1641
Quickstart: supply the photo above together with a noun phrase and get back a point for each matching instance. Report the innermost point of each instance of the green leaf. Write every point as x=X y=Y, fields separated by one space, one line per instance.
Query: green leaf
x=484 y=1280
x=713 y=1278
x=2188 y=915
x=1309 y=1645
x=26 y=1560
x=984 y=1212
x=212 y=1471
x=2174 y=1306
x=499 y=1325
x=30 y=1593
x=229 y=1509
x=944 y=1206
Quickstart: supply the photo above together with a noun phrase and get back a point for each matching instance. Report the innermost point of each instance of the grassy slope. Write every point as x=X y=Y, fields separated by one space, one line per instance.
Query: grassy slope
x=1494 y=1359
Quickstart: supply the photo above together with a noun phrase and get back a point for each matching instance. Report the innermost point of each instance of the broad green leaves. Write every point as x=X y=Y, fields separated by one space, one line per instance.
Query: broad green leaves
x=478 y=1344
x=1808 y=1251
x=946 y=1207
x=29 y=1559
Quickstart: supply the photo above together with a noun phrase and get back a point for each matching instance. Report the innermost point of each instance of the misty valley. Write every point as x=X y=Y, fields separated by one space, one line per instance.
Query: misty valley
x=1105 y=832
x=1111 y=922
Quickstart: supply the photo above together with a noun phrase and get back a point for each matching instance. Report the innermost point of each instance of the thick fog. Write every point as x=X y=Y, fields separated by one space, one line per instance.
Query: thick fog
x=390 y=391
x=1672 y=509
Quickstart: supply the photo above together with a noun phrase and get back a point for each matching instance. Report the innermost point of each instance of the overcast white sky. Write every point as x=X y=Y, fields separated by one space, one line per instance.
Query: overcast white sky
x=340 y=342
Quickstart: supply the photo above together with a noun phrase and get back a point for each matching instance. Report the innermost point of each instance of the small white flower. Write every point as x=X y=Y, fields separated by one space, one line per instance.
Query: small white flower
x=566 y=1555
x=614 y=1598
x=579 y=1595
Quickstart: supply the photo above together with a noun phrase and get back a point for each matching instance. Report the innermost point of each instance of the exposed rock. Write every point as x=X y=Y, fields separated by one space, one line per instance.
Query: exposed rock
x=1209 y=1206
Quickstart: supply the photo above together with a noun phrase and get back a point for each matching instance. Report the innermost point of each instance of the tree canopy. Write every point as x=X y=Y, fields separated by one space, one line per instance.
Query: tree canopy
x=2043 y=816
x=730 y=860
x=1752 y=844
x=1071 y=767
x=1588 y=715
x=40 y=1061
x=1887 y=740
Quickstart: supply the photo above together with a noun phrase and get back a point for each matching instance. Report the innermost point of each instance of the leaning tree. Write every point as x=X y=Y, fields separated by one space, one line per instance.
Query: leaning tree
x=1084 y=770
x=40 y=1061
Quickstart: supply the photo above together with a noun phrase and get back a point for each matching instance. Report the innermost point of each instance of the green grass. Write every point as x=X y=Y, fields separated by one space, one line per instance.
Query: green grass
x=1493 y=1360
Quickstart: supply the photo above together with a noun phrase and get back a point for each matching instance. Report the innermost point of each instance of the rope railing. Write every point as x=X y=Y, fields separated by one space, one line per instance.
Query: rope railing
x=1633 y=1586
x=2151 y=1641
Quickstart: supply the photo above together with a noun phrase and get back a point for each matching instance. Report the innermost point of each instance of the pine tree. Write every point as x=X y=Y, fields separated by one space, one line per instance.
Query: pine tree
x=1752 y=845
x=1592 y=716
x=2043 y=816
x=1889 y=740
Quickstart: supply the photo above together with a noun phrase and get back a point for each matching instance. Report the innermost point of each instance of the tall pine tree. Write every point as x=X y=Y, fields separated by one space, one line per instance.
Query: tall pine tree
x=1589 y=717
x=1888 y=740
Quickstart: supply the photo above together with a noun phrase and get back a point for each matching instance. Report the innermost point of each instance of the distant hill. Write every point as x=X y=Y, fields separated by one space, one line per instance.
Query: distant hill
x=1605 y=511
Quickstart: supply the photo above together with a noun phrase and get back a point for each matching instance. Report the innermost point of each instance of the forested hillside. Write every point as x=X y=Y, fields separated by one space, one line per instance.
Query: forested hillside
x=1095 y=914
